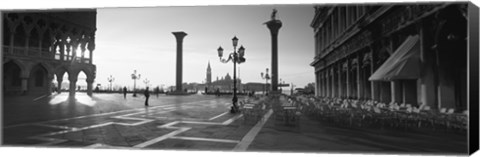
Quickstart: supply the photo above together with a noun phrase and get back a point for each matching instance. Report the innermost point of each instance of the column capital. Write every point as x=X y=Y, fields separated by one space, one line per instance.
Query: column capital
x=179 y=35
x=90 y=80
x=274 y=26
x=72 y=79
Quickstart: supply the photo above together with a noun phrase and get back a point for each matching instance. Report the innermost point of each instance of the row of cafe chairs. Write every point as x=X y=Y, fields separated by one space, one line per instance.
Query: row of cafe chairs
x=287 y=112
x=371 y=114
x=253 y=109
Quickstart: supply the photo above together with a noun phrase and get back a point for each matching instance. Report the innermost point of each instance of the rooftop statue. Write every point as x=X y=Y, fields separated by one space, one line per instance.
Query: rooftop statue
x=274 y=14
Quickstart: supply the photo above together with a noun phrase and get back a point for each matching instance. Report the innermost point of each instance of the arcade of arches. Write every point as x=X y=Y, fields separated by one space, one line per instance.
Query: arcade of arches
x=437 y=71
x=41 y=46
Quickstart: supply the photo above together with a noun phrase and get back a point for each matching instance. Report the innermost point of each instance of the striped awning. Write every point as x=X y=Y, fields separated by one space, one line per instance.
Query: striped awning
x=404 y=63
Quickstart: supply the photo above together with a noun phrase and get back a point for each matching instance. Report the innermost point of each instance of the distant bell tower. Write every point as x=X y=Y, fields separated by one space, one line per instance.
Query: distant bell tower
x=209 y=74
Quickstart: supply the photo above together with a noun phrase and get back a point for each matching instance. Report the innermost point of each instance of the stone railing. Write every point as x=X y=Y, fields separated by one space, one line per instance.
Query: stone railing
x=38 y=53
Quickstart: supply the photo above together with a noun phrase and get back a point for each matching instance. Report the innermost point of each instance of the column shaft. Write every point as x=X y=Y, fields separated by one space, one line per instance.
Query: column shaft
x=359 y=81
x=24 y=84
x=73 y=85
x=179 y=38
x=274 y=26
x=348 y=79
x=89 y=87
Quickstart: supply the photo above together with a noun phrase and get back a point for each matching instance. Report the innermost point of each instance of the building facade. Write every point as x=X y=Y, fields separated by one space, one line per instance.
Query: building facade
x=40 y=46
x=404 y=53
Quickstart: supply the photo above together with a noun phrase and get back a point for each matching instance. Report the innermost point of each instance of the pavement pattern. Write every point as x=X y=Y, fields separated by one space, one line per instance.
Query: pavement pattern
x=195 y=122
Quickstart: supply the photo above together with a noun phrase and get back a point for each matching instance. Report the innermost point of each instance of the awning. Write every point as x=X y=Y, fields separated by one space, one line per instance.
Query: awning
x=404 y=63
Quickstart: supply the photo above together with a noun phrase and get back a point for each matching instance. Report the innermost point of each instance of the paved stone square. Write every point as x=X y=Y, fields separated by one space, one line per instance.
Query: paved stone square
x=195 y=122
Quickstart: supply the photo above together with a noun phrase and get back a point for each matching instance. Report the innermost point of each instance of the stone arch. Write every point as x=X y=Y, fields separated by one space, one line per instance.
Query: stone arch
x=38 y=81
x=61 y=70
x=22 y=66
x=88 y=72
x=12 y=77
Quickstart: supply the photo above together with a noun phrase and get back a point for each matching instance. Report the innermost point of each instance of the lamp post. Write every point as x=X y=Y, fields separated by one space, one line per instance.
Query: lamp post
x=146 y=81
x=235 y=58
x=135 y=77
x=266 y=77
x=111 y=79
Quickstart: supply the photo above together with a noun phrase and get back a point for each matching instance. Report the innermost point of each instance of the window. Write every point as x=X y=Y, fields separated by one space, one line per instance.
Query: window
x=339 y=22
x=353 y=15
x=343 y=17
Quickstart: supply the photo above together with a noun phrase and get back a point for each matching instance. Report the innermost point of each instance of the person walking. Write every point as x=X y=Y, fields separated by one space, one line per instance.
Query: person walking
x=125 y=92
x=147 y=95
x=157 y=91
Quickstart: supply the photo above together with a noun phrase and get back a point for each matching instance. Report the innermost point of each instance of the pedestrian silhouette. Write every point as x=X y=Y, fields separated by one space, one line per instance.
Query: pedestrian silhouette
x=157 y=91
x=147 y=95
x=125 y=92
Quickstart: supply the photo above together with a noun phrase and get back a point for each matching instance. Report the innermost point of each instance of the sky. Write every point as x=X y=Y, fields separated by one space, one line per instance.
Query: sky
x=141 y=39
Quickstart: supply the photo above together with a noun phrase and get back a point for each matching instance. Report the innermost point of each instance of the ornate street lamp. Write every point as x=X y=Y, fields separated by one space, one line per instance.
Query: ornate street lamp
x=266 y=77
x=111 y=79
x=135 y=77
x=146 y=81
x=235 y=58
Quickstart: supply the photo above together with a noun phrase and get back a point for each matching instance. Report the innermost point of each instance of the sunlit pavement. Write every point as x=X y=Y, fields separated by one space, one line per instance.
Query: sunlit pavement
x=194 y=122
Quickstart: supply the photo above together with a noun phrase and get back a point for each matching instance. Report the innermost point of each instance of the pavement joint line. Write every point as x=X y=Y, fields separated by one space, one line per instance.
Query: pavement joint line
x=99 y=114
x=250 y=136
x=51 y=141
x=161 y=138
x=181 y=130
x=101 y=145
x=40 y=97
x=229 y=121
x=220 y=115
x=86 y=116
x=67 y=129
x=204 y=139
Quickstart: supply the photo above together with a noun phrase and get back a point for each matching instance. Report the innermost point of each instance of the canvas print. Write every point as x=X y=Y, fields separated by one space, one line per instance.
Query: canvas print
x=347 y=78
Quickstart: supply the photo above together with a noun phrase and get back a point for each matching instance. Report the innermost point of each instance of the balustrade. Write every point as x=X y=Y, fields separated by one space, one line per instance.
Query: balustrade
x=38 y=53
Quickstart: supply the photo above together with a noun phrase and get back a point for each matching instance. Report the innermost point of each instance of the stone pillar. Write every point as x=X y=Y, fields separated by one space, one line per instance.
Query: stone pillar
x=24 y=84
x=69 y=56
x=49 y=83
x=28 y=30
x=27 y=43
x=12 y=38
x=90 y=86
x=374 y=86
x=359 y=80
x=179 y=36
x=274 y=25
x=73 y=85
x=327 y=86
x=339 y=79
x=62 y=49
x=347 y=80
x=59 y=81
x=316 y=84
x=324 y=84
x=332 y=75
x=91 y=47
x=427 y=80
